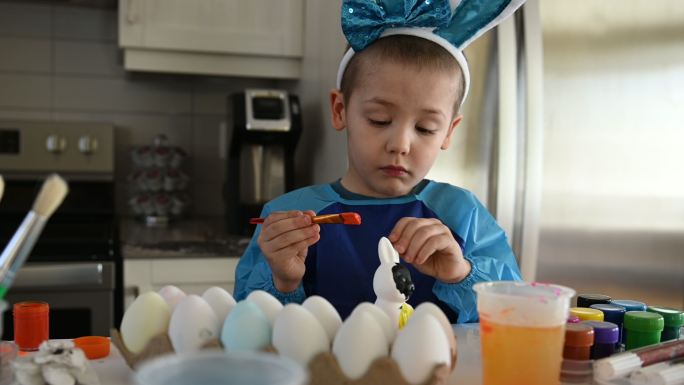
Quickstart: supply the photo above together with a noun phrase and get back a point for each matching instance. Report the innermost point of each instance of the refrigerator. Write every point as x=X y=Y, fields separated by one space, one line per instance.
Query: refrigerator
x=573 y=138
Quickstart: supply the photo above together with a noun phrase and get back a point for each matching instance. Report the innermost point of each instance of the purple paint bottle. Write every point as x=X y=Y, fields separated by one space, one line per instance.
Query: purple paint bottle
x=606 y=336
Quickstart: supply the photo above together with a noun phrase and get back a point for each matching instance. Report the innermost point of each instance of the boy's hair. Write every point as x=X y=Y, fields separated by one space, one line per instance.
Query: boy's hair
x=408 y=50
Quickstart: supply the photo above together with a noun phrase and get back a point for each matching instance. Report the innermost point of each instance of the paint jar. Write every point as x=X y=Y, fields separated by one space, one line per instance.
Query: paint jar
x=587 y=313
x=606 y=337
x=673 y=321
x=523 y=325
x=586 y=300
x=31 y=324
x=612 y=313
x=629 y=305
x=573 y=319
x=579 y=337
x=642 y=328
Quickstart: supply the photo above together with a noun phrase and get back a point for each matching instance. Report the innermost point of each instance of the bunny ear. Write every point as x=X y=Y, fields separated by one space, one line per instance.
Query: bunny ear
x=386 y=252
x=472 y=18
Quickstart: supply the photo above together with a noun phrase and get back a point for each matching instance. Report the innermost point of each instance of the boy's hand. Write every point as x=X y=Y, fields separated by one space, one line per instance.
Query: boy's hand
x=429 y=246
x=285 y=239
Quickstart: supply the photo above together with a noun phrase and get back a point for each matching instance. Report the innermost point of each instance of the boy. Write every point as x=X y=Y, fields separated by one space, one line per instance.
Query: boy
x=398 y=99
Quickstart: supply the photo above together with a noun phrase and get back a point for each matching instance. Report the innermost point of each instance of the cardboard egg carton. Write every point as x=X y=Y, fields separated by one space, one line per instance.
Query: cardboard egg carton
x=323 y=368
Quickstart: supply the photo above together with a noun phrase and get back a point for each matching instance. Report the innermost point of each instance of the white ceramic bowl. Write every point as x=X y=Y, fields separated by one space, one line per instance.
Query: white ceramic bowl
x=213 y=367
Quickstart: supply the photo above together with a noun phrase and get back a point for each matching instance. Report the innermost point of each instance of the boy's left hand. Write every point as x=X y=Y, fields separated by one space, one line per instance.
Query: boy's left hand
x=429 y=246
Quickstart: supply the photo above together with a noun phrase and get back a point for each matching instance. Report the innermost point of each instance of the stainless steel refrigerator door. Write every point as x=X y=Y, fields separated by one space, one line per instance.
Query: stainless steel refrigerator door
x=612 y=218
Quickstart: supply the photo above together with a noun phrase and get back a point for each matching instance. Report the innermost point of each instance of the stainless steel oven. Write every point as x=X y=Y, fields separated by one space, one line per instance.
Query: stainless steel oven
x=76 y=265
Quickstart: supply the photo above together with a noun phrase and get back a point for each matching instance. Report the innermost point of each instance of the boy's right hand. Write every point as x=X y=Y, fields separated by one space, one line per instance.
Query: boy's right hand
x=285 y=239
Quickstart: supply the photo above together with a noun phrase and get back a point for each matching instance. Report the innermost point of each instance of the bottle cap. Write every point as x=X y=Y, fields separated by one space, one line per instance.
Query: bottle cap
x=579 y=334
x=672 y=317
x=629 y=305
x=644 y=321
x=30 y=308
x=93 y=346
x=587 y=314
x=573 y=319
x=604 y=332
x=611 y=313
x=586 y=300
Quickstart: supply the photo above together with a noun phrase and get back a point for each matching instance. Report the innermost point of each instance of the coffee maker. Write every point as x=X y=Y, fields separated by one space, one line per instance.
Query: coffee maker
x=267 y=126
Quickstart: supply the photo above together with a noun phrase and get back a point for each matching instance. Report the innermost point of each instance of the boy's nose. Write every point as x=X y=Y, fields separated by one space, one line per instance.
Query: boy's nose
x=399 y=142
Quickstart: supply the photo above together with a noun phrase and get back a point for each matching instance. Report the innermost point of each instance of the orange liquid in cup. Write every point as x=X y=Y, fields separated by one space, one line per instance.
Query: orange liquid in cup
x=519 y=355
x=31 y=324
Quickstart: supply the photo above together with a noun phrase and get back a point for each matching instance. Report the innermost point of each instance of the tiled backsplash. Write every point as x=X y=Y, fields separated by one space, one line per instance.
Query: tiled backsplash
x=63 y=63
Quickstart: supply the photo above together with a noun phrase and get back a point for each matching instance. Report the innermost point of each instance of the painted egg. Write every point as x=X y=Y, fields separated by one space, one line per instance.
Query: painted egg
x=297 y=334
x=172 y=295
x=268 y=303
x=358 y=343
x=325 y=313
x=219 y=300
x=246 y=328
x=387 y=326
x=192 y=324
x=419 y=346
x=431 y=308
x=147 y=317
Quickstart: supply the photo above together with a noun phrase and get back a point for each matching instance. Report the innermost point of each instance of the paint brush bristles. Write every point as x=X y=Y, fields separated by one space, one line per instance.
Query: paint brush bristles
x=50 y=196
x=2 y=187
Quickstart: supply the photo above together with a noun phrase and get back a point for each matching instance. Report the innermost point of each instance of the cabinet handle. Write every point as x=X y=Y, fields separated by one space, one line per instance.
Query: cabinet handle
x=132 y=13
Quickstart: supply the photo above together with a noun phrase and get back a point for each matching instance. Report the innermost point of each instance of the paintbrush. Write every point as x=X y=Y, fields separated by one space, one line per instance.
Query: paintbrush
x=16 y=252
x=341 y=219
x=2 y=187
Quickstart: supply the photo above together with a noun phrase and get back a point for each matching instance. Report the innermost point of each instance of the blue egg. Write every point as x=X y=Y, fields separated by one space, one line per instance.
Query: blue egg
x=246 y=328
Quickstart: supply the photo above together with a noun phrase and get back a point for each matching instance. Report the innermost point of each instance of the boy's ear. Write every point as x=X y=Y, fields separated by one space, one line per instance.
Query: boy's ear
x=337 y=108
x=452 y=126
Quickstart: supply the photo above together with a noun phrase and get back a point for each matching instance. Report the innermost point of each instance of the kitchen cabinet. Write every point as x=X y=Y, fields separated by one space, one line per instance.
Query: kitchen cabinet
x=192 y=275
x=256 y=38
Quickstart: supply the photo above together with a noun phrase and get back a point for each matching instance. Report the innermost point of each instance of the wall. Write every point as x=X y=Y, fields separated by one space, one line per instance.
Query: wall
x=62 y=63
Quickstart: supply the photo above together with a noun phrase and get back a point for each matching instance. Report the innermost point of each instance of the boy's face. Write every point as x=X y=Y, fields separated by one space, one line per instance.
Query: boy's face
x=397 y=119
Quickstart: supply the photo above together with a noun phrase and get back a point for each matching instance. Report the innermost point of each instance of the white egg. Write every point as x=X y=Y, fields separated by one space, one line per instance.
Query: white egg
x=268 y=303
x=246 y=328
x=192 y=324
x=380 y=316
x=297 y=334
x=420 y=346
x=147 y=317
x=325 y=313
x=431 y=308
x=358 y=343
x=172 y=295
x=219 y=300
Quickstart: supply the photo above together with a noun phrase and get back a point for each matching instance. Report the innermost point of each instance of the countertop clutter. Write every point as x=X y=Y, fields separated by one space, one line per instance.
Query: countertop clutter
x=190 y=238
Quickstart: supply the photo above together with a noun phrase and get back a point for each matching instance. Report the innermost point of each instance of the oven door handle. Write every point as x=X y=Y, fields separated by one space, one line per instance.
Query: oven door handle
x=65 y=276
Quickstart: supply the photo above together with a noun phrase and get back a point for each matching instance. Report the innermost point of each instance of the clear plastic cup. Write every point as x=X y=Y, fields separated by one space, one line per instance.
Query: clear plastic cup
x=217 y=367
x=522 y=327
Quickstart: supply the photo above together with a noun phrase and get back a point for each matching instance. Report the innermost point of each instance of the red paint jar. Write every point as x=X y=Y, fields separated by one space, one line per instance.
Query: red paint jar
x=31 y=324
x=578 y=341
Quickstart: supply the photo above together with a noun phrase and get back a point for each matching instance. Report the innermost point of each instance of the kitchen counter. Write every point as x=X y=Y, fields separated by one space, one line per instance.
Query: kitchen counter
x=188 y=238
x=114 y=371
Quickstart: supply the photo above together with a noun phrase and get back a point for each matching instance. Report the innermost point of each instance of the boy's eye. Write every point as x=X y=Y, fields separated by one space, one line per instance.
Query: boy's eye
x=379 y=122
x=425 y=131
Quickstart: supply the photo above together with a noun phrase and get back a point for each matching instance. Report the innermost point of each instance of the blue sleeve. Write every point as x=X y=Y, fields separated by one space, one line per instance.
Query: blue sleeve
x=253 y=273
x=485 y=247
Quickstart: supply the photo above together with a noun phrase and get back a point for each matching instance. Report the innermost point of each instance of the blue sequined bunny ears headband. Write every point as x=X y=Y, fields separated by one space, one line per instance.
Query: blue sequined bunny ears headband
x=453 y=24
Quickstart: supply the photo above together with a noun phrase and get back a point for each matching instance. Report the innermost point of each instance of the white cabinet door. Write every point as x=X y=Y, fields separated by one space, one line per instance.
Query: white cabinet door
x=193 y=275
x=251 y=27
